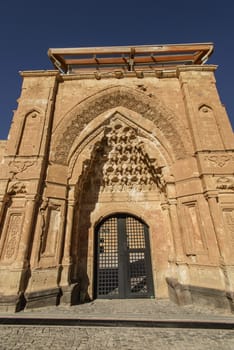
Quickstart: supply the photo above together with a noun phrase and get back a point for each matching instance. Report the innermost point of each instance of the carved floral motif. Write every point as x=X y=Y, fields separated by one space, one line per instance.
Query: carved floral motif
x=219 y=160
x=17 y=188
x=225 y=183
x=19 y=167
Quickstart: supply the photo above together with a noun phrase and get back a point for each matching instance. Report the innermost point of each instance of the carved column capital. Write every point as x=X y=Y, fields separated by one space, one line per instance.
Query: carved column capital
x=211 y=194
x=172 y=201
x=165 y=206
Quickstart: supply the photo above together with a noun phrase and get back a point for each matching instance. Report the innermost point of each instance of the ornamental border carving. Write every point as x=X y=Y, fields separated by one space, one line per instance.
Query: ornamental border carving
x=219 y=160
x=225 y=183
x=98 y=134
x=84 y=112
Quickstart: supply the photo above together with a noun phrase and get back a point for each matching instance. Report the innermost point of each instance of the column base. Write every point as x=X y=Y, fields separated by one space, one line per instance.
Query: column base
x=12 y=303
x=71 y=295
x=42 y=298
x=209 y=297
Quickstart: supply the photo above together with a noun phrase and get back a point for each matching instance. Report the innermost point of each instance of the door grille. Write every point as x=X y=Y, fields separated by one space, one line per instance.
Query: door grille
x=123 y=265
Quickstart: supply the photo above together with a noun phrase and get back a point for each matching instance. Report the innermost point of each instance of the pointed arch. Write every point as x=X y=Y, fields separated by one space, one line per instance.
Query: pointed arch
x=151 y=109
x=153 y=140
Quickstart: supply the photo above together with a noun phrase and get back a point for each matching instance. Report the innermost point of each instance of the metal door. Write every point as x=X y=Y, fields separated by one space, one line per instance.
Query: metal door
x=123 y=263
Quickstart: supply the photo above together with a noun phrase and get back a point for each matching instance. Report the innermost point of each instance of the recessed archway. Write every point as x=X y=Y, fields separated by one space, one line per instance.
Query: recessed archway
x=154 y=110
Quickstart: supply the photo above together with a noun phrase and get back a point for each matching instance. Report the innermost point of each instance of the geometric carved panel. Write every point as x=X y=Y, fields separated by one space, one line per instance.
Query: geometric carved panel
x=128 y=166
x=13 y=230
x=120 y=163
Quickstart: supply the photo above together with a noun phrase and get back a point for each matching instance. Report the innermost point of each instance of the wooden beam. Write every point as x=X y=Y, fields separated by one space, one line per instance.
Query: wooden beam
x=127 y=49
x=145 y=54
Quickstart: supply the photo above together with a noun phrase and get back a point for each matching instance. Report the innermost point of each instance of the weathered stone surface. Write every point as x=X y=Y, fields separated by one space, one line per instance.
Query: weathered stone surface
x=85 y=147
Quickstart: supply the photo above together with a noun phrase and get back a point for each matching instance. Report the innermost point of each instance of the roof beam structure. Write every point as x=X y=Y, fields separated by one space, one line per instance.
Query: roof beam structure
x=129 y=58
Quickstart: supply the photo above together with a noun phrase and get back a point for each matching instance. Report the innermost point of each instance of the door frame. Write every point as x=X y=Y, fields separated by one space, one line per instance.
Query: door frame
x=124 y=268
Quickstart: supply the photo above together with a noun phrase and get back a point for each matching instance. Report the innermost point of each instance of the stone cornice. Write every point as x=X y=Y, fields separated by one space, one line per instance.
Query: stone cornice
x=39 y=73
x=192 y=68
x=119 y=74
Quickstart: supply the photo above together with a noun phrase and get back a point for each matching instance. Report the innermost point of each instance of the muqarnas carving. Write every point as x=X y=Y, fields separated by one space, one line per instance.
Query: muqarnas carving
x=128 y=165
x=121 y=163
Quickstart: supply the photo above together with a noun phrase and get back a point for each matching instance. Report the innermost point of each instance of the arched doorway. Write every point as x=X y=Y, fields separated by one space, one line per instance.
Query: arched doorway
x=123 y=262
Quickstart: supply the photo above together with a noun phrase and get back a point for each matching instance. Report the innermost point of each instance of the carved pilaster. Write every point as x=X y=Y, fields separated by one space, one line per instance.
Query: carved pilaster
x=176 y=229
x=25 y=240
x=224 y=245
x=171 y=243
x=66 y=261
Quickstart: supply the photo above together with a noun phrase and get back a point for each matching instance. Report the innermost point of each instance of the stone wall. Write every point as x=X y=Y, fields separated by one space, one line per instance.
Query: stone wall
x=158 y=146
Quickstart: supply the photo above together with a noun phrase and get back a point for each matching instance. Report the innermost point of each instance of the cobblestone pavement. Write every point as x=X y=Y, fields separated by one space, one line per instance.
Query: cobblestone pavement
x=92 y=338
x=18 y=337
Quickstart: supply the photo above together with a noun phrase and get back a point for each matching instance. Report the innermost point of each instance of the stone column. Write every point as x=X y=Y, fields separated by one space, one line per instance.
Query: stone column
x=70 y=293
x=216 y=216
x=171 y=246
x=66 y=261
x=225 y=251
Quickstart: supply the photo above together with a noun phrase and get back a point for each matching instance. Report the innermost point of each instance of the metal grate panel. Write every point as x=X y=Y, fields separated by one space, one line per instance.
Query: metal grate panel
x=123 y=258
x=108 y=258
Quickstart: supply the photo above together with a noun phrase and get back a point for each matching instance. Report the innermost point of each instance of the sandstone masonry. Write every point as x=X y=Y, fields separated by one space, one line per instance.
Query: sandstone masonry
x=117 y=181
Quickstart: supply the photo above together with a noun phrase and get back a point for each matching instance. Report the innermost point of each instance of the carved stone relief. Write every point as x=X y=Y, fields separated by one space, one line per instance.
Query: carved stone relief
x=120 y=163
x=161 y=117
x=225 y=183
x=17 y=188
x=12 y=236
x=17 y=167
x=219 y=160
x=97 y=135
x=128 y=166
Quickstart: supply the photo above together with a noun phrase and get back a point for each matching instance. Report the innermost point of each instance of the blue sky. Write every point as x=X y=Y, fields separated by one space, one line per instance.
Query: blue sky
x=28 y=28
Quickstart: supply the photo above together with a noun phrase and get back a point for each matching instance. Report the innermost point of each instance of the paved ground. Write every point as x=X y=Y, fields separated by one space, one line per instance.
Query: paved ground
x=38 y=337
x=56 y=338
x=129 y=308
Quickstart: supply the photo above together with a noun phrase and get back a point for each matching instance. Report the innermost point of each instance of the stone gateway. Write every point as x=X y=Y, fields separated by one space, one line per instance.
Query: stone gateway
x=117 y=181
